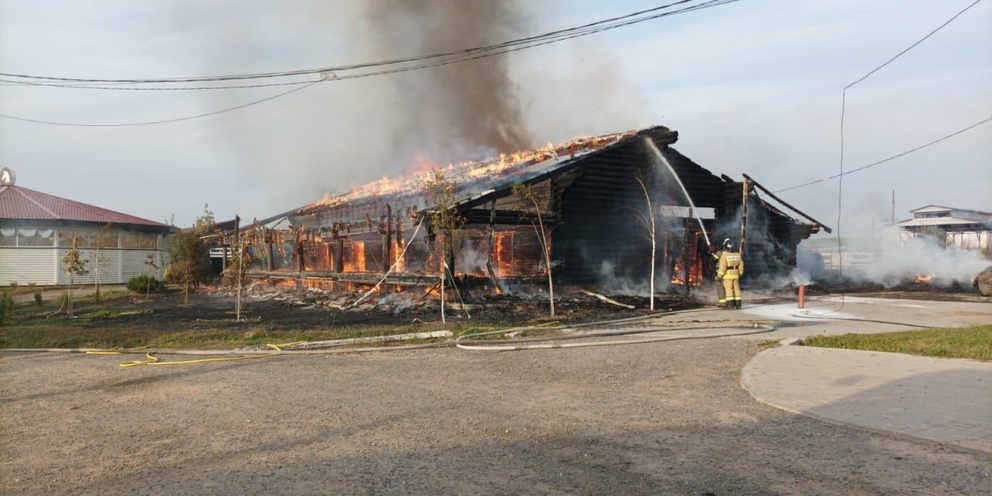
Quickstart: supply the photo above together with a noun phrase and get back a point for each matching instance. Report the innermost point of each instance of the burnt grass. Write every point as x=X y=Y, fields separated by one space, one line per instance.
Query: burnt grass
x=269 y=309
x=275 y=312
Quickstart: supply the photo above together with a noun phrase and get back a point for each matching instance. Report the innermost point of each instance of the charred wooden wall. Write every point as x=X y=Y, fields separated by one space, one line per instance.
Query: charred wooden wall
x=589 y=203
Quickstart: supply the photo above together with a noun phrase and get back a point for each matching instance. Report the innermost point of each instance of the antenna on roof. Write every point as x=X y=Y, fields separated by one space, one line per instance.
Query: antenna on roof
x=7 y=177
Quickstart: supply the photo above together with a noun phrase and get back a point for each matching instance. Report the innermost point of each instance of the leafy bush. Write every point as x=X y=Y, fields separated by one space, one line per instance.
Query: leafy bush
x=145 y=284
x=6 y=305
x=38 y=300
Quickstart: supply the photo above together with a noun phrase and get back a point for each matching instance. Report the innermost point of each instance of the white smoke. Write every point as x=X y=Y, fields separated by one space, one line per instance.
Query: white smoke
x=892 y=262
x=611 y=280
x=923 y=256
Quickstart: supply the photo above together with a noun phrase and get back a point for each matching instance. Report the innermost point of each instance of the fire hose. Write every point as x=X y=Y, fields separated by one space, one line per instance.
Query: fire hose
x=465 y=342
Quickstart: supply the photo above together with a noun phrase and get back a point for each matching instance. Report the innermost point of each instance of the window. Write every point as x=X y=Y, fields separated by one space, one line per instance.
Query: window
x=8 y=236
x=83 y=238
x=105 y=239
x=130 y=240
x=35 y=237
x=148 y=241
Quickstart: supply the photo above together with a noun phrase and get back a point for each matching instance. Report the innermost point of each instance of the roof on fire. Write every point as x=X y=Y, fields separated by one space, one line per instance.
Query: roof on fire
x=477 y=183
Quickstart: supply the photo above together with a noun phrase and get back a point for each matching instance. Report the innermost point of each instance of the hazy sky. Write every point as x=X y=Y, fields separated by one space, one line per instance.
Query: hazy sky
x=752 y=87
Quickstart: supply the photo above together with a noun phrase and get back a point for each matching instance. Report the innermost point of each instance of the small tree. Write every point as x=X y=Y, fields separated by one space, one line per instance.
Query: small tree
x=189 y=256
x=150 y=262
x=98 y=259
x=650 y=228
x=444 y=218
x=527 y=194
x=6 y=305
x=74 y=265
x=238 y=266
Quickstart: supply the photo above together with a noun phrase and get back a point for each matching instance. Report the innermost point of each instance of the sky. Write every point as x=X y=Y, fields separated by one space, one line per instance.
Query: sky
x=752 y=87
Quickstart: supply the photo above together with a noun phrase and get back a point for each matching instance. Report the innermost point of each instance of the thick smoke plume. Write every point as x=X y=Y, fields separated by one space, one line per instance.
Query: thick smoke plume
x=469 y=108
x=339 y=134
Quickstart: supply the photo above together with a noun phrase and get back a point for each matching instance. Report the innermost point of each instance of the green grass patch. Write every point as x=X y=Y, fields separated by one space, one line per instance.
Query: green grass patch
x=973 y=342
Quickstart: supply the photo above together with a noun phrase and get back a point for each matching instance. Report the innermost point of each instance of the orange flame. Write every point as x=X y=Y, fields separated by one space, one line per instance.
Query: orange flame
x=470 y=171
x=356 y=262
x=677 y=272
x=423 y=165
x=400 y=261
x=503 y=251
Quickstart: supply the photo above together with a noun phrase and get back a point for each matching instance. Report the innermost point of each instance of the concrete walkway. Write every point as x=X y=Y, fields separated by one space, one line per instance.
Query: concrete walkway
x=936 y=399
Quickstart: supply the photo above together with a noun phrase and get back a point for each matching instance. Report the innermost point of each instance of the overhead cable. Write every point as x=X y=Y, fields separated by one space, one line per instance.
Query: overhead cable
x=163 y=121
x=873 y=164
x=843 y=111
x=330 y=75
x=457 y=55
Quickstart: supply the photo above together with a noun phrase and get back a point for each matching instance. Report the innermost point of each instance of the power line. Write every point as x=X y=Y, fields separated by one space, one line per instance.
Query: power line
x=843 y=107
x=526 y=42
x=462 y=56
x=873 y=164
x=921 y=40
x=843 y=111
x=843 y=104
x=80 y=86
x=164 y=121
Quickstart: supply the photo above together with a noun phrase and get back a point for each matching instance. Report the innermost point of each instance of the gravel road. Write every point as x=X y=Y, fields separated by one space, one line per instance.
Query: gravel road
x=664 y=418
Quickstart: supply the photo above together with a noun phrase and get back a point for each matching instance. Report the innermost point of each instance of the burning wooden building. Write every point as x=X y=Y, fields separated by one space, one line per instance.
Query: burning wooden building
x=588 y=196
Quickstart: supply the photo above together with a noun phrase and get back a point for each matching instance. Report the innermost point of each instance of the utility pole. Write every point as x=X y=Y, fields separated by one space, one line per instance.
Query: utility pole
x=893 y=207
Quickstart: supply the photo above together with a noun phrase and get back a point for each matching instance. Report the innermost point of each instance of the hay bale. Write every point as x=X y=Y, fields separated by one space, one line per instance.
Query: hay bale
x=983 y=282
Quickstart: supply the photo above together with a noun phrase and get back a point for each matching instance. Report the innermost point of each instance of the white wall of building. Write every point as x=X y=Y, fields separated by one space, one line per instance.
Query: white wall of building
x=34 y=255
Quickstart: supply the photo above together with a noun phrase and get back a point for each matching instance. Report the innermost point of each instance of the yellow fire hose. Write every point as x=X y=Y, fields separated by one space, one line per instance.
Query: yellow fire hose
x=151 y=359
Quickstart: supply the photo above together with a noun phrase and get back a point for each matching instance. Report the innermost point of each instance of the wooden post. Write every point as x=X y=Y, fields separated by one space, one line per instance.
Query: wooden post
x=387 y=241
x=746 y=190
x=339 y=256
x=228 y=247
x=492 y=241
x=269 y=255
x=327 y=256
x=240 y=270
x=686 y=253
x=399 y=240
x=301 y=265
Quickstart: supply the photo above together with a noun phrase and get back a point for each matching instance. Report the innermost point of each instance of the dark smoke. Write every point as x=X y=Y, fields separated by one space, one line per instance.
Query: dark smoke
x=470 y=108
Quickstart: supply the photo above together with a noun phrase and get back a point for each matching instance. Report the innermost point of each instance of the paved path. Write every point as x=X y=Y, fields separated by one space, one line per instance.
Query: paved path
x=937 y=399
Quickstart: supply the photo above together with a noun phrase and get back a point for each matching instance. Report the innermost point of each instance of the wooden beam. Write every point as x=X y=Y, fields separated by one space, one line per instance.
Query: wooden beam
x=794 y=209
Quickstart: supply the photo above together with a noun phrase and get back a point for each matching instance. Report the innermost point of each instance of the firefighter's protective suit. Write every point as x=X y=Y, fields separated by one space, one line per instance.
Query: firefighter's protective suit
x=730 y=268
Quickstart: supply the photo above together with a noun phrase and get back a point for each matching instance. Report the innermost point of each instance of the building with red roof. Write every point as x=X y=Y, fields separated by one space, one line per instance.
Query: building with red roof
x=37 y=230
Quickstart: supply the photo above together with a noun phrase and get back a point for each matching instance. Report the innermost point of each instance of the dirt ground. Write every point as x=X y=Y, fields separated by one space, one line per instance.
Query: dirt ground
x=661 y=418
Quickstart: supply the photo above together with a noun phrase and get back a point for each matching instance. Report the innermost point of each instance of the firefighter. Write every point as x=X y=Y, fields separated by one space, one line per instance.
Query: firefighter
x=730 y=269
x=721 y=294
